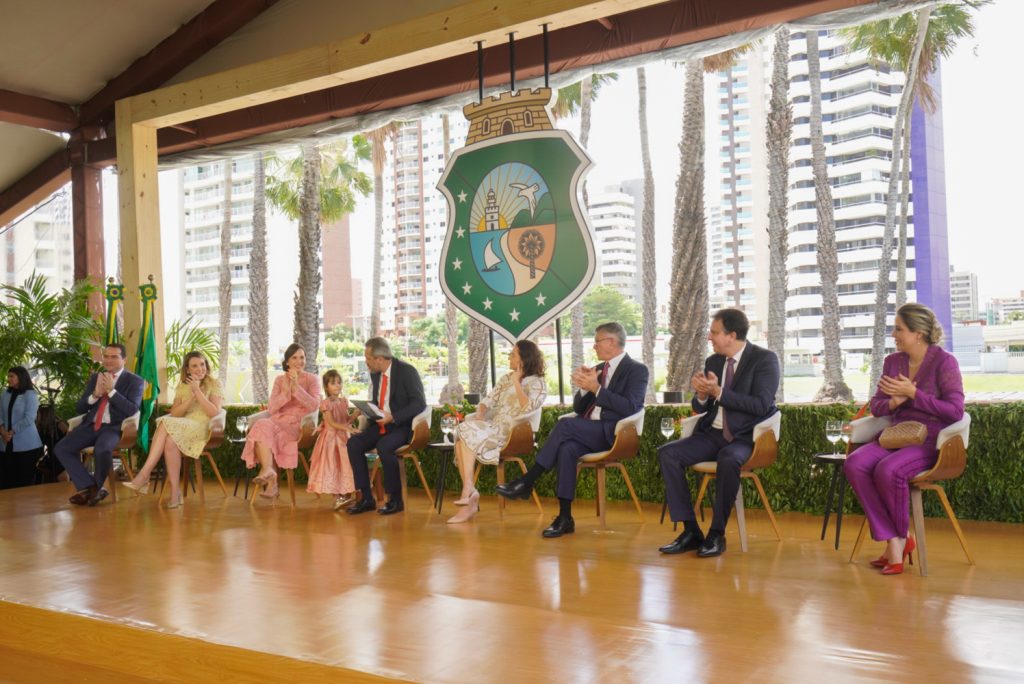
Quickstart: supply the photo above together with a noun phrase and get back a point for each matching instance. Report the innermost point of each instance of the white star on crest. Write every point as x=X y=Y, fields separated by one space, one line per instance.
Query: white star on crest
x=514 y=315
x=467 y=288
x=457 y=264
x=460 y=232
x=541 y=299
x=487 y=304
x=462 y=197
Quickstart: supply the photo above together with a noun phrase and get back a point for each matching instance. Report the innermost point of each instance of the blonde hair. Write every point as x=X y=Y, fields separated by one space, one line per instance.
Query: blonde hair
x=205 y=383
x=919 y=318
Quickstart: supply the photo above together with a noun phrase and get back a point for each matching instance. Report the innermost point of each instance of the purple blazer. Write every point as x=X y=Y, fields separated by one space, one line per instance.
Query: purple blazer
x=940 y=391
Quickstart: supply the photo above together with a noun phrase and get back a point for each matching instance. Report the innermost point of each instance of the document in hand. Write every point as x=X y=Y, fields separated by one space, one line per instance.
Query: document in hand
x=368 y=408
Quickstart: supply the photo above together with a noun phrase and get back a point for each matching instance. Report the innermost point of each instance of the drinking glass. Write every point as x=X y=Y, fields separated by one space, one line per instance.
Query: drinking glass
x=845 y=431
x=242 y=423
x=833 y=433
x=668 y=427
x=447 y=427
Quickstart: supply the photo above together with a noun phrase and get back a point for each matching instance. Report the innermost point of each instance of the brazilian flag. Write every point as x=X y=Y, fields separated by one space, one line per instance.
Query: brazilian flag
x=114 y=296
x=145 y=363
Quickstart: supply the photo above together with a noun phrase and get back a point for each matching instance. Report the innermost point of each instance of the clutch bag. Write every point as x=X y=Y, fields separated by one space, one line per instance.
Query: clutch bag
x=903 y=435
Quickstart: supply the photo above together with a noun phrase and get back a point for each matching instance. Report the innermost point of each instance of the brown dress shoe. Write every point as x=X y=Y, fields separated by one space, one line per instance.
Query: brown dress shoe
x=83 y=496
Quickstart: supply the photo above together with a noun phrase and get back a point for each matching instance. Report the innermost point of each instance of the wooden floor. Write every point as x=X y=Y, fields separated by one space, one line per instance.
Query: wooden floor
x=132 y=592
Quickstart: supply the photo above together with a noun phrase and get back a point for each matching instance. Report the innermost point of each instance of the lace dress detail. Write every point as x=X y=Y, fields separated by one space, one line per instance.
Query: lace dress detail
x=191 y=432
x=485 y=437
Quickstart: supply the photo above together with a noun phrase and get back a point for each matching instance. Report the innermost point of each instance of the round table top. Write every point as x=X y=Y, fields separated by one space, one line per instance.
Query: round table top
x=830 y=458
x=443 y=446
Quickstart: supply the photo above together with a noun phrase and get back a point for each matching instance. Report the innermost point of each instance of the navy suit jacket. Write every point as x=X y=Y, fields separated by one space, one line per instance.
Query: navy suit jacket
x=751 y=398
x=124 y=404
x=407 y=399
x=623 y=397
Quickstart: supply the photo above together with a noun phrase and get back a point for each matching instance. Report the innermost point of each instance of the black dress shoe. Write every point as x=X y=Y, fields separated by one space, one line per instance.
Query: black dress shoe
x=364 y=506
x=83 y=496
x=392 y=506
x=97 y=497
x=516 y=489
x=713 y=546
x=559 y=526
x=687 y=541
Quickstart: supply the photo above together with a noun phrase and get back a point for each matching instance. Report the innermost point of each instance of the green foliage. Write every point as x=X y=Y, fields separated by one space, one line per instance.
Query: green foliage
x=433 y=331
x=604 y=304
x=183 y=337
x=341 y=333
x=340 y=181
x=51 y=333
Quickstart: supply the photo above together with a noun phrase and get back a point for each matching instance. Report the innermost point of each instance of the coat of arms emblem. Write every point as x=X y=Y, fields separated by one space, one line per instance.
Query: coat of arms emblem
x=518 y=250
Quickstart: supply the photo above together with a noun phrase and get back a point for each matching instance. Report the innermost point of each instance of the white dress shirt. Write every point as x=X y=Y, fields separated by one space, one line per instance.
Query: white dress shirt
x=612 y=365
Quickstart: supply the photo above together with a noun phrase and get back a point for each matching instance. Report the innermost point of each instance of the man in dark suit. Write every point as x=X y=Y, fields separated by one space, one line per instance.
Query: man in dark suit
x=110 y=397
x=609 y=392
x=396 y=388
x=731 y=408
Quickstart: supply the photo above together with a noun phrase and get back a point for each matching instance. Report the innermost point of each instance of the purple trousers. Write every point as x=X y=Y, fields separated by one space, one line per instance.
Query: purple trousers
x=881 y=478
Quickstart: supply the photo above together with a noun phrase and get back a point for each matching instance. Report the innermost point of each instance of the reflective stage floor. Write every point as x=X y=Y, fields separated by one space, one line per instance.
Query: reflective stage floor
x=133 y=592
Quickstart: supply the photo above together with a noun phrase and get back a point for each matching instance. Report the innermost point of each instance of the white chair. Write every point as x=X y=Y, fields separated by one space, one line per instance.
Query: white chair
x=216 y=426
x=952 y=444
x=766 y=450
x=417 y=441
x=520 y=442
x=307 y=437
x=129 y=433
x=625 y=447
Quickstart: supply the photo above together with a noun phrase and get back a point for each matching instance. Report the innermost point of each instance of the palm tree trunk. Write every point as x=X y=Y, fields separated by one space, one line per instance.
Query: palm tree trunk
x=259 y=331
x=479 y=348
x=892 y=197
x=833 y=388
x=224 y=282
x=576 y=334
x=688 y=302
x=901 y=249
x=779 y=132
x=649 y=274
x=453 y=391
x=307 y=312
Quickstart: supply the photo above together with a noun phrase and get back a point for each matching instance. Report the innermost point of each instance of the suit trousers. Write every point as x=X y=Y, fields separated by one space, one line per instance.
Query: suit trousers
x=881 y=479
x=571 y=439
x=395 y=438
x=677 y=456
x=69 y=450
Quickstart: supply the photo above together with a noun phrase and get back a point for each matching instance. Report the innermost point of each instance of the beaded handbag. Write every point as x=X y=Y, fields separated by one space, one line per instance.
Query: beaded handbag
x=903 y=434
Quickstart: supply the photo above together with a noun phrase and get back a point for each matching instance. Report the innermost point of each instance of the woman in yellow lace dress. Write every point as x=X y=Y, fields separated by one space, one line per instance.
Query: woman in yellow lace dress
x=198 y=398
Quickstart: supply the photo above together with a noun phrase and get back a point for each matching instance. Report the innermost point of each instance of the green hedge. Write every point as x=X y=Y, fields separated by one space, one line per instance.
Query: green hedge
x=991 y=488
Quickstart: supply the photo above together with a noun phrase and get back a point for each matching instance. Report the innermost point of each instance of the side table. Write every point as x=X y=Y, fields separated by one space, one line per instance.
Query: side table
x=445 y=448
x=838 y=479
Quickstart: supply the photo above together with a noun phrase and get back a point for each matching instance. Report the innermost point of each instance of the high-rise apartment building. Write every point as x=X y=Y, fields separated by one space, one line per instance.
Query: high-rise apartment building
x=616 y=237
x=963 y=295
x=40 y=242
x=859 y=102
x=1002 y=309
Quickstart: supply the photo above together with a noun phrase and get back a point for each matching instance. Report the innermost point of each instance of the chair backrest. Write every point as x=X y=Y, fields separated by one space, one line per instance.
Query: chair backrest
x=533 y=418
x=766 y=442
x=307 y=429
x=952 y=442
x=520 y=438
x=688 y=425
x=864 y=430
x=216 y=426
x=627 y=438
x=420 y=430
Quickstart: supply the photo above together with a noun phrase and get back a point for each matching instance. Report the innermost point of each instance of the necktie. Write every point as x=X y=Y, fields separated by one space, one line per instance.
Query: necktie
x=382 y=395
x=600 y=381
x=98 y=421
x=729 y=365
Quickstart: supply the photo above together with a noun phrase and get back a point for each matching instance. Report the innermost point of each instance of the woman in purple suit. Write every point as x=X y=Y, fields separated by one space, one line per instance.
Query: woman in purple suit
x=920 y=382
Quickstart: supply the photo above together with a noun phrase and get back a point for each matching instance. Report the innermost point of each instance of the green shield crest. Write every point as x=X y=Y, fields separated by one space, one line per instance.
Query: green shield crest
x=518 y=250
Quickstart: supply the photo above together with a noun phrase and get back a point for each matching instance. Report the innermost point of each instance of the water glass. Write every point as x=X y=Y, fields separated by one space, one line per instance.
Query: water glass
x=242 y=423
x=833 y=432
x=845 y=431
x=668 y=427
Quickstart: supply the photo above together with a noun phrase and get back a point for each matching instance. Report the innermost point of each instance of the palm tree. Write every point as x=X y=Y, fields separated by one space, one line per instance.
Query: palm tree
x=224 y=282
x=572 y=98
x=913 y=44
x=649 y=277
x=183 y=337
x=833 y=388
x=688 y=304
x=317 y=185
x=259 y=330
x=779 y=132
x=453 y=391
x=379 y=138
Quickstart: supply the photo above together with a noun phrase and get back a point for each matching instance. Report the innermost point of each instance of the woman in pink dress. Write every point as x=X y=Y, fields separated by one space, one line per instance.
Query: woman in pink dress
x=276 y=439
x=330 y=471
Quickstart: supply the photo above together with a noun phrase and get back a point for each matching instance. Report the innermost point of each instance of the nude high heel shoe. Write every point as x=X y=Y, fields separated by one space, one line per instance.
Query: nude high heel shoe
x=144 y=489
x=471 y=509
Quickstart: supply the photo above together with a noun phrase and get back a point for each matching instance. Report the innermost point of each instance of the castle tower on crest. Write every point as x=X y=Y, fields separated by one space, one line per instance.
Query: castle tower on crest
x=519 y=112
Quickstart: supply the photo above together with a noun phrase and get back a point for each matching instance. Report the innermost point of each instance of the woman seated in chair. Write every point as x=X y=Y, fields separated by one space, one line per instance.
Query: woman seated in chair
x=483 y=434
x=275 y=439
x=186 y=429
x=920 y=382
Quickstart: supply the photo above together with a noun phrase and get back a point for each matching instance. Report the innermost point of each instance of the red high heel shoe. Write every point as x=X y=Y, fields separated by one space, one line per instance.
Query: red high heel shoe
x=897 y=568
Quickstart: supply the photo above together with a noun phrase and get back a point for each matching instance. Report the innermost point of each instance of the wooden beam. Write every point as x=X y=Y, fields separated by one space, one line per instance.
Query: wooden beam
x=428 y=38
x=36 y=112
x=138 y=195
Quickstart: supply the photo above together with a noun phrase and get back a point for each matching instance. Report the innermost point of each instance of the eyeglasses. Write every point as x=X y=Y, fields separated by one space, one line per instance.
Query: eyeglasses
x=602 y=339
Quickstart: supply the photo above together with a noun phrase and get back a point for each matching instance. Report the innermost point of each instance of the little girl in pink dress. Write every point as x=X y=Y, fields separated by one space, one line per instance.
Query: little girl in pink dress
x=329 y=470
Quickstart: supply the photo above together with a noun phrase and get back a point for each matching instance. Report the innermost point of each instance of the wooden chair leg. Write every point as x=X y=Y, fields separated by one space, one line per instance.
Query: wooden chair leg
x=704 y=481
x=476 y=473
x=305 y=468
x=290 y=474
x=126 y=463
x=859 y=540
x=423 y=480
x=183 y=475
x=255 y=493
x=375 y=480
x=632 y=492
x=767 y=506
x=197 y=465
x=917 y=512
x=216 y=472
x=952 y=518
x=741 y=518
x=403 y=478
x=602 y=493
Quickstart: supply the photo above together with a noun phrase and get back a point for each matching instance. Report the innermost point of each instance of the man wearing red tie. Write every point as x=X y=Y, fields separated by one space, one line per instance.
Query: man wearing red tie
x=111 y=396
x=609 y=392
x=732 y=407
x=396 y=388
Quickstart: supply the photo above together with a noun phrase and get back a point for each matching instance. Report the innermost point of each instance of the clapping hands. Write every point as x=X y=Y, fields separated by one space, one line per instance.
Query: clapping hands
x=104 y=384
x=585 y=378
x=900 y=389
x=705 y=385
